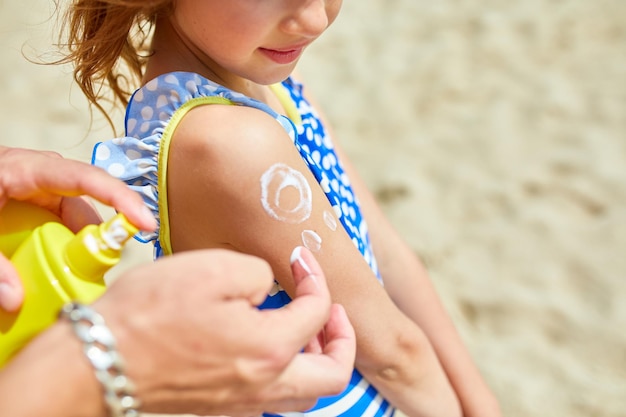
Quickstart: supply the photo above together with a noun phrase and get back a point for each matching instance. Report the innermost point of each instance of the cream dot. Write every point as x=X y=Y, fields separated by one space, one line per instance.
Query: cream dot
x=330 y=220
x=311 y=240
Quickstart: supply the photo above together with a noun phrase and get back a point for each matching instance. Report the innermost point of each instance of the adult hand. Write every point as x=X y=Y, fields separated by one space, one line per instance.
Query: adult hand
x=58 y=185
x=194 y=341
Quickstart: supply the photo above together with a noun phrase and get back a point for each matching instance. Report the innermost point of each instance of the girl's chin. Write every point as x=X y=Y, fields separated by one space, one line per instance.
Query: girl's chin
x=277 y=75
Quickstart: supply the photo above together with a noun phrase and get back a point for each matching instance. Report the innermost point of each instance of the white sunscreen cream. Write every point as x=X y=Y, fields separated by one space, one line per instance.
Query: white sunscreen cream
x=276 y=182
x=311 y=240
x=330 y=220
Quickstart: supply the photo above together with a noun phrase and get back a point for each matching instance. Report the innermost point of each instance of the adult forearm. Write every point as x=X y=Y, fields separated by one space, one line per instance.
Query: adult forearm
x=51 y=377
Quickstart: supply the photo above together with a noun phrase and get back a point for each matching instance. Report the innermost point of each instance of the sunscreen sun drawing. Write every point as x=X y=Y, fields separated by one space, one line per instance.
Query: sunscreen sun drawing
x=278 y=185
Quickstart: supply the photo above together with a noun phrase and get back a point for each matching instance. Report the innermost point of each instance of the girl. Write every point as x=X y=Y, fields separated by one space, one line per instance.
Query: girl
x=228 y=152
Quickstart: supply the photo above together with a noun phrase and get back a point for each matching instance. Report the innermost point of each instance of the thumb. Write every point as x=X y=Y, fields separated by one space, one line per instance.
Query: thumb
x=305 y=316
x=11 y=292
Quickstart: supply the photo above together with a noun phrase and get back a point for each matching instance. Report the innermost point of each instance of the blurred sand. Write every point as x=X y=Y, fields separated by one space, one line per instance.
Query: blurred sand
x=493 y=133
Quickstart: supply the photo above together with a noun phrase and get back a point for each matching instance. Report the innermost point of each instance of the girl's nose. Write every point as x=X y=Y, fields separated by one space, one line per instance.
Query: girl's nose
x=309 y=19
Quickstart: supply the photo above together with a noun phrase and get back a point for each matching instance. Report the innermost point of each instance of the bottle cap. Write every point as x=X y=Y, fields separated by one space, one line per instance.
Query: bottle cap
x=96 y=248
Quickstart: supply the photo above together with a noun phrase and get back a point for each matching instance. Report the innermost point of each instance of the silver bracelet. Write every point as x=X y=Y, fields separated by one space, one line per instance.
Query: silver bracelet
x=99 y=347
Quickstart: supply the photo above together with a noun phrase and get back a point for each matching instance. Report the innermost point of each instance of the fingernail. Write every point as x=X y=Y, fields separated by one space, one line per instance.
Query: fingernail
x=7 y=296
x=296 y=256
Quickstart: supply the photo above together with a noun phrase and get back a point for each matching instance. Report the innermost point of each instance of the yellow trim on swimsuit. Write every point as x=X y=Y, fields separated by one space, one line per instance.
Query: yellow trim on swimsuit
x=283 y=97
x=285 y=100
x=166 y=138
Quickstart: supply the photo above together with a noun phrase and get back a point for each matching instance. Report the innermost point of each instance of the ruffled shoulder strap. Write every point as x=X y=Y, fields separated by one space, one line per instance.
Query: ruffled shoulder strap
x=152 y=116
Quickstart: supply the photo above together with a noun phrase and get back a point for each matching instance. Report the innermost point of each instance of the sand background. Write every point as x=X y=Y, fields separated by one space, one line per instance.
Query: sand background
x=492 y=132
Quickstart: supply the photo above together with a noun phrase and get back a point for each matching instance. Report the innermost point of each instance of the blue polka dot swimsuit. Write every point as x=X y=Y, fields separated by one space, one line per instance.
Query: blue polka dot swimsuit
x=152 y=112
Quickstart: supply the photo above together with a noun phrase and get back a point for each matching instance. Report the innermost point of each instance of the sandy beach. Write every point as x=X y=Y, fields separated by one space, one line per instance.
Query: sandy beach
x=494 y=135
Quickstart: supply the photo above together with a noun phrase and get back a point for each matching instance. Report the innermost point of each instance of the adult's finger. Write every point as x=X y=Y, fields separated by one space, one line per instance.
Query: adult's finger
x=248 y=277
x=325 y=374
x=43 y=178
x=303 y=318
x=11 y=291
x=76 y=178
x=78 y=212
x=333 y=367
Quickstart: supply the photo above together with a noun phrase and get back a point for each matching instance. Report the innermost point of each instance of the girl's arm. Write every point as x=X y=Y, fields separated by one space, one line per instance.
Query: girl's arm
x=219 y=184
x=409 y=286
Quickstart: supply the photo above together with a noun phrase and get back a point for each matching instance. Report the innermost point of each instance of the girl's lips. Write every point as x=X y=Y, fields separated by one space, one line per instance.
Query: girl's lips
x=282 y=56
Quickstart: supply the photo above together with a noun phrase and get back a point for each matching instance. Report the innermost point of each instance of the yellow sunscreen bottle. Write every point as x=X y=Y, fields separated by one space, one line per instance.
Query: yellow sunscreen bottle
x=17 y=222
x=55 y=266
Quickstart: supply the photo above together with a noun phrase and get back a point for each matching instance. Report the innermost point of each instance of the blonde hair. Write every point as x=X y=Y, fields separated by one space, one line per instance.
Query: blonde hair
x=106 y=41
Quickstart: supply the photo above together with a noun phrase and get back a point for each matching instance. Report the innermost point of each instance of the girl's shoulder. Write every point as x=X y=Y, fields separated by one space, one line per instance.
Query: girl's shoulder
x=225 y=134
x=185 y=117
